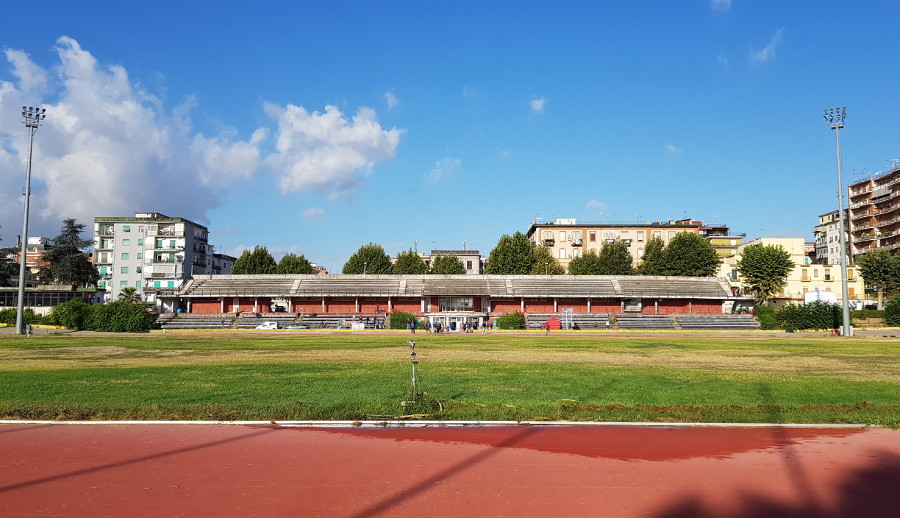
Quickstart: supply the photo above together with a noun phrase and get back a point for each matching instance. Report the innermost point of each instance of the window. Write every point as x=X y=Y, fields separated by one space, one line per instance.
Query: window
x=102 y=271
x=640 y=253
x=657 y=233
x=456 y=304
x=126 y=228
x=124 y=269
x=171 y=284
x=126 y=242
x=592 y=237
x=124 y=256
x=102 y=285
x=156 y=284
x=562 y=253
x=137 y=270
x=123 y=284
x=562 y=236
x=159 y=243
x=640 y=236
x=140 y=242
x=137 y=284
x=468 y=265
x=576 y=252
x=671 y=234
x=171 y=243
x=140 y=255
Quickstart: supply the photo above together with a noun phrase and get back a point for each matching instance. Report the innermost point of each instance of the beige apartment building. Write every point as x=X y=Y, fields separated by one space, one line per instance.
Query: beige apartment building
x=806 y=277
x=568 y=239
x=875 y=212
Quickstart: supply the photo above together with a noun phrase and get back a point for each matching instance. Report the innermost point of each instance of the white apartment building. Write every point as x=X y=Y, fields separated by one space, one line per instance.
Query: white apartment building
x=153 y=253
x=828 y=238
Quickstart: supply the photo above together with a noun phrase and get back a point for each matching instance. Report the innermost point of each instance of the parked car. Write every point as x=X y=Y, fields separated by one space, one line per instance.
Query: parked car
x=268 y=325
x=297 y=326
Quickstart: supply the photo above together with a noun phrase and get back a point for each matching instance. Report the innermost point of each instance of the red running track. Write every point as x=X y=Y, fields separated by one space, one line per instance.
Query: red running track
x=229 y=470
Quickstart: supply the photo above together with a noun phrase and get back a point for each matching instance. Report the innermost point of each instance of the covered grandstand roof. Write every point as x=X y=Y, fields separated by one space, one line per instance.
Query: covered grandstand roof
x=495 y=286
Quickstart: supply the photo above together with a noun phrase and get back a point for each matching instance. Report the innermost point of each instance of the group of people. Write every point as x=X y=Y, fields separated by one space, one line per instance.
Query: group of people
x=438 y=328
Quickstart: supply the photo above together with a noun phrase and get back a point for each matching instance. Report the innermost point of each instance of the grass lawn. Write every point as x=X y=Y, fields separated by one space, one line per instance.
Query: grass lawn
x=305 y=375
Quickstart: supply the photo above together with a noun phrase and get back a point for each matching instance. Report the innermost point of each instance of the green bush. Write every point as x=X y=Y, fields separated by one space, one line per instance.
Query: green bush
x=400 y=320
x=70 y=315
x=766 y=317
x=510 y=321
x=867 y=313
x=8 y=316
x=119 y=317
x=892 y=313
x=815 y=315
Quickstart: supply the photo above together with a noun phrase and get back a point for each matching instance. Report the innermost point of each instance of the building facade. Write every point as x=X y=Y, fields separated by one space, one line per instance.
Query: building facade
x=568 y=239
x=807 y=276
x=828 y=238
x=875 y=212
x=152 y=253
x=723 y=241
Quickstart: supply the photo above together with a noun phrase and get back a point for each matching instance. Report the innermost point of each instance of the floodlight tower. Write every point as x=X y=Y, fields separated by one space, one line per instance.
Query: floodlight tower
x=33 y=117
x=835 y=118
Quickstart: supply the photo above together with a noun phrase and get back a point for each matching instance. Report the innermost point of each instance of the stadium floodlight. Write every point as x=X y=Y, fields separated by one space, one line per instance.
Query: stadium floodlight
x=835 y=118
x=33 y=117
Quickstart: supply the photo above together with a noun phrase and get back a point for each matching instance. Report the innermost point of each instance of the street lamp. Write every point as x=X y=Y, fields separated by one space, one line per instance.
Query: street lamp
x=835 y=118
x=33 y=117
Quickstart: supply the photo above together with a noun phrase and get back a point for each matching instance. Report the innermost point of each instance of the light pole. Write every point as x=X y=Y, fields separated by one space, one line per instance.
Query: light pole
x=835 y=118
x=33 y=117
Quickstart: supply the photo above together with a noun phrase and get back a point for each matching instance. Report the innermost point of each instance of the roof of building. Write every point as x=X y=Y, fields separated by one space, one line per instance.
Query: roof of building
x=495 y=286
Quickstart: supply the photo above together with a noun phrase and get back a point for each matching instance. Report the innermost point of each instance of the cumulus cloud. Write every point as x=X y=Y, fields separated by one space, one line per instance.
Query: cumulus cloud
x=110 y=148
x=444 y=169
x=537 y=105
x=326 y=151
x=720 y=5
x=768 y=52
x=313 y=214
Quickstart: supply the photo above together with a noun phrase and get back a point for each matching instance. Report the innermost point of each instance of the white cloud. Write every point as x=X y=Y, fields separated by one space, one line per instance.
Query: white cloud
x=444 y=169
x=537 y=105
x=313 y=214
x=109 y=148
x=672 y=150
x=720 y=5
x=391 y=100
x=768 y=52
x=596 y=207
x=325 y=151
x=722 y=59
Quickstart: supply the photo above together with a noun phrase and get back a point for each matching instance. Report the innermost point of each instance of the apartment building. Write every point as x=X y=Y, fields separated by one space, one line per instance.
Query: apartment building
x=828 y=238
x=723 y=241
x=568 y=239
x=875 y=212
x=807 y=275
x=152 y=253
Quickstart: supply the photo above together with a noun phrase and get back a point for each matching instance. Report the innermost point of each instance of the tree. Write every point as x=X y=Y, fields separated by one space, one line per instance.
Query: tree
x=545 y=263
x=294 y=264
x=129 y=295
x=409 y=263
x=881 y=271
x=653 y=261
x=615 y=259
x=8 y=267
x=257 y=261
x=764 y=270
x=690 y=255
x=587 y=264
x=67 y=262
x=369 y=258
x=447 y=265
x=513 y=255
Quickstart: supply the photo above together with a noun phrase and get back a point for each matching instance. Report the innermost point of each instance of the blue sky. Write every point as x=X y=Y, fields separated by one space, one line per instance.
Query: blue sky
x=317 y=127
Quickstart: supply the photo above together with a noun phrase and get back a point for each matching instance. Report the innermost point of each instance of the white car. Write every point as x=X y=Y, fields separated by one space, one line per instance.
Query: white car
x=268 y=325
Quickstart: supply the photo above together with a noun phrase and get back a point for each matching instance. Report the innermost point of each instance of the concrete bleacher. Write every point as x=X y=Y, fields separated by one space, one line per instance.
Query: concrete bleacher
x=717 y=322
x=172 y=321
x=583 y=320
x=642 y=321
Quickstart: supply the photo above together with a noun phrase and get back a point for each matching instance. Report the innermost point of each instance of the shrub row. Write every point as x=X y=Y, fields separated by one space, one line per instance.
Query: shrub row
x=114 y=317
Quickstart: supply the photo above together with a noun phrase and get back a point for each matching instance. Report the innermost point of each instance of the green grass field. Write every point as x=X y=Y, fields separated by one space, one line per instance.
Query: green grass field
x=299 y=376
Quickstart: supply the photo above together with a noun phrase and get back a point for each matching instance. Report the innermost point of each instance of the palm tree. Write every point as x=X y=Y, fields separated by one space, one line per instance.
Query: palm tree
x=129 y=295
